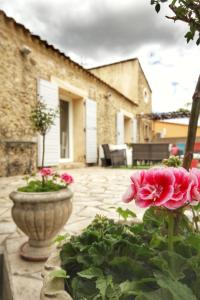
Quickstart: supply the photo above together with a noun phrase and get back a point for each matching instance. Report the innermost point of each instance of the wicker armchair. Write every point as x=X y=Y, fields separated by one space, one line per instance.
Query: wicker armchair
x=114 y=157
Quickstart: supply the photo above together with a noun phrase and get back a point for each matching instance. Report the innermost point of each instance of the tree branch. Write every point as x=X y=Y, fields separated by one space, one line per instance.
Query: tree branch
x=192 y=128
x=189 y=19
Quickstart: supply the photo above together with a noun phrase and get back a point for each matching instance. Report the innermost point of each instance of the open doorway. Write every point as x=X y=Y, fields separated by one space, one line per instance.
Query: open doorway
x=127 y=130
x=64 y=129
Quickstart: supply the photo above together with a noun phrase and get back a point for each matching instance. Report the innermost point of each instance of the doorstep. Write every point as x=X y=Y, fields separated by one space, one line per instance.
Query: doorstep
x=71 y=165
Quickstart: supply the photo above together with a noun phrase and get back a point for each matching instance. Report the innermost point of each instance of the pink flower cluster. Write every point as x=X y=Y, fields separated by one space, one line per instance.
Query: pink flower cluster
x=65 y=177
x=46 y=172
x=166 y=187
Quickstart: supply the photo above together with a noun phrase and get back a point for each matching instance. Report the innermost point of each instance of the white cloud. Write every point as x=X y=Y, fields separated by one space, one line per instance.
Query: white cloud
x=103 y=31
x=177 y=64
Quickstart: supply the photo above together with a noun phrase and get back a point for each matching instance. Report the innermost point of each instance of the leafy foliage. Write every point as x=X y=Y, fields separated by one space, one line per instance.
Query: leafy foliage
x=60 y=273
x=61 y=238
x=126 y=262
x=37 y=186
x=172 y=161
x=125 y=213
x=42 y=117
x=187 y=11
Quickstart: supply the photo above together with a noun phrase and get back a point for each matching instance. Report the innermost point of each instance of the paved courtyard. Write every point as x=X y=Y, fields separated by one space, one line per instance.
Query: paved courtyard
x=96 y=191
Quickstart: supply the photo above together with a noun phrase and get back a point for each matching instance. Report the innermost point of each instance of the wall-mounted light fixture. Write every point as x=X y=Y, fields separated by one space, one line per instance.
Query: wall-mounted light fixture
x=25 y=50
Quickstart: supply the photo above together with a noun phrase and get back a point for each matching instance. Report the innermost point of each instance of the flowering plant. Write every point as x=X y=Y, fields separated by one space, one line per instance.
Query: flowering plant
x=173 y=190
x=51 y=181
x=155 y=259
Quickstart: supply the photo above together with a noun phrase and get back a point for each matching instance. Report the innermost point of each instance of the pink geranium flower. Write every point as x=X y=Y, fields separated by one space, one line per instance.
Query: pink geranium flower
x=46 y=172
x=156 y=188
x=181 y=192
x=152 y=187
x=195 y=185
x=65 y=177
x=132 y=190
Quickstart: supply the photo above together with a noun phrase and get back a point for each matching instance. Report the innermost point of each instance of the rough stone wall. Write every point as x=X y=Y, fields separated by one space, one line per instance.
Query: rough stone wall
x=18 y=89
x=144 y=107
x=17 y=158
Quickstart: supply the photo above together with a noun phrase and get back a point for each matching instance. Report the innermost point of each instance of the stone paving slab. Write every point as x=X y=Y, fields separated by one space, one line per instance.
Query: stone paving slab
x=95 y=189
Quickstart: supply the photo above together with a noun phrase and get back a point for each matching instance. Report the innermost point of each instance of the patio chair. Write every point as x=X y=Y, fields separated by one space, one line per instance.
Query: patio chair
x=114 y=157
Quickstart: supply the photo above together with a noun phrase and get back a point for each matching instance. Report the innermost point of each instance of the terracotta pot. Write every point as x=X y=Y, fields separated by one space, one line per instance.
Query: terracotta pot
x=53 y=288
x=40 y=216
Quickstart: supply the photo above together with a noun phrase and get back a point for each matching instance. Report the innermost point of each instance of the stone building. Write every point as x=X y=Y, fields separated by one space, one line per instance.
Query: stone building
x=94 y=108
x=128 y=77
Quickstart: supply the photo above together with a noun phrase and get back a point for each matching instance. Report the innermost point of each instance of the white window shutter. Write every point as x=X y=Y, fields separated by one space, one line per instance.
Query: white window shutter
x=120 y=128
x=48 y=93
x=91 y=131
x=134 y=130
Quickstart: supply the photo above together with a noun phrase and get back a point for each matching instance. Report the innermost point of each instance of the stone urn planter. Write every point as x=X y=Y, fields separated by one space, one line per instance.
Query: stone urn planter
x=53 y=288
x=40 y=216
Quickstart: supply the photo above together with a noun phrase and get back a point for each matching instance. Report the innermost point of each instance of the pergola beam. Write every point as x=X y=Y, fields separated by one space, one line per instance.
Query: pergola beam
x=166 y=115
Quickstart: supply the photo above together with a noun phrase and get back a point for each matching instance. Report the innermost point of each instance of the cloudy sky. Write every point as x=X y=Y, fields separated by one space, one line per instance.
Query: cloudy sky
x=95 y=32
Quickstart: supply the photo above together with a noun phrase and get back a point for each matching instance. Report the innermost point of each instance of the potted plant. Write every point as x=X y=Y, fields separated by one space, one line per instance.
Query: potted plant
x=43 y=206
x=156 y=259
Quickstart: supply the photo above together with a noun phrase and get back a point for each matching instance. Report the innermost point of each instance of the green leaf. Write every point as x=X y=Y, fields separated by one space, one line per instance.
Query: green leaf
x=189 y=36
x=67 y=253
x=180 y=11
x=59 y=274
x=157 y=7
x=157 y=240
x=102 y=284
x=163 y=262
x=154 y=216
x=160 y=294
x=127 y=286
x=134 y=286
x=194 y=241
x=91 y=273
x=127 y=268
x=125 y=213
x=60 y=238
x=178 y=290
x=113 y=292
x=197 y=207
x=84 y=289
